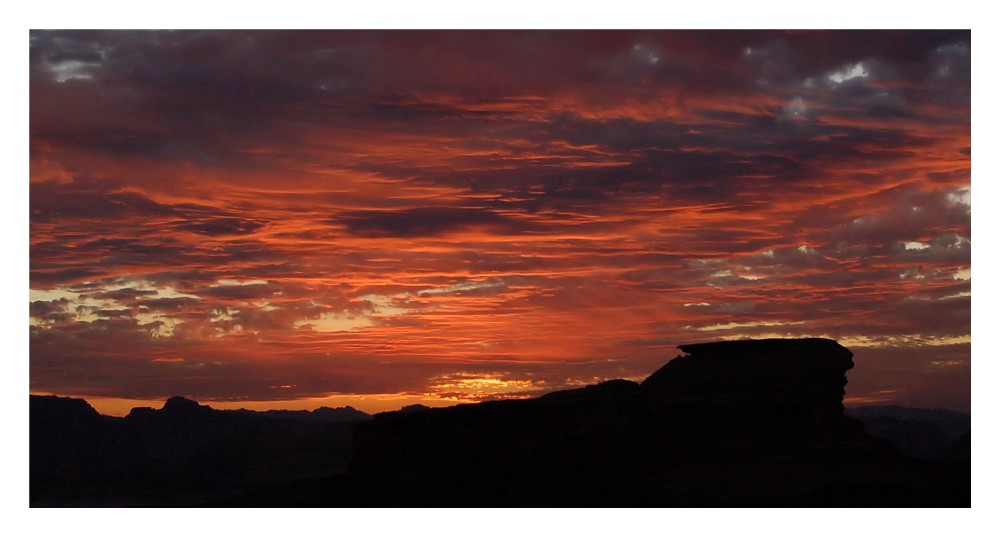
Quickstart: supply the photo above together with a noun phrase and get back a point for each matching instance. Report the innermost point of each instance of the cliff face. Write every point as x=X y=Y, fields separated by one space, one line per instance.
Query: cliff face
x=790 y=384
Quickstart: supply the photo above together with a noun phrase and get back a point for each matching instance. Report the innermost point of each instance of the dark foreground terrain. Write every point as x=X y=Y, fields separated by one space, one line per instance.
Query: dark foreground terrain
x=743 y=423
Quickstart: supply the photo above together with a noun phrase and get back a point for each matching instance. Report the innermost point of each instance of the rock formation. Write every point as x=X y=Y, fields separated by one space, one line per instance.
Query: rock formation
x=753 y=386
x=789 y=376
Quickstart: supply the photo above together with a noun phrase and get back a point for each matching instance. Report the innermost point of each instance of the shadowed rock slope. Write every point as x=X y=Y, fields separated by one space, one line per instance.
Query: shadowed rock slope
x=740 y=423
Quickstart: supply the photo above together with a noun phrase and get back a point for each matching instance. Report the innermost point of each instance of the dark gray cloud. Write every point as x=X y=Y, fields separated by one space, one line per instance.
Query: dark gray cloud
x=427 y=221
x=222 y=226
x=89 y=199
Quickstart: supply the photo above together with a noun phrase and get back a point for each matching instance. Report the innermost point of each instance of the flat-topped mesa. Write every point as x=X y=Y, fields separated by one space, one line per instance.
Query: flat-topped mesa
x=779 y=379
x=46 y=407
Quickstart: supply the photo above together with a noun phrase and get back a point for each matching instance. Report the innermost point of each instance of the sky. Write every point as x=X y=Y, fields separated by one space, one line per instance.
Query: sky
x=289 y=219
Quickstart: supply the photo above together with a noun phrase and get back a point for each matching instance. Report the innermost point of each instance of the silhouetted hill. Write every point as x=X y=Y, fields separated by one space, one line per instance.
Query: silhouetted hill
x=52 y=407
x=747 y=423
x=409 y=409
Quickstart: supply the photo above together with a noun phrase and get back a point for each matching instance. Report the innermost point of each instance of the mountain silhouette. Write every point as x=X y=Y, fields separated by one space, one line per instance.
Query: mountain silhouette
x=736 y=423
x=184 y=453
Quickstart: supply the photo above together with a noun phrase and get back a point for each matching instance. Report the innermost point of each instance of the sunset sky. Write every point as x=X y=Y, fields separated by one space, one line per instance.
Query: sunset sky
x=295 y=219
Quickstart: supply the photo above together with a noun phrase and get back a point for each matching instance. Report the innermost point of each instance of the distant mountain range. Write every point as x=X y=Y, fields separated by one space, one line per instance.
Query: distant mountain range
x=926 y=434
x=748 y=423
